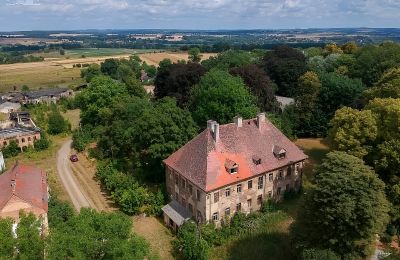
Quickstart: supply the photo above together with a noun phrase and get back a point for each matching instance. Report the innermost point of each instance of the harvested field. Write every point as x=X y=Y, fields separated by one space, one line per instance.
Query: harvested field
x=60 y=72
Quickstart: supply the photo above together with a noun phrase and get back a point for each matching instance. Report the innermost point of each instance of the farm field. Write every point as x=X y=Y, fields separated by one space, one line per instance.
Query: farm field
x=92 y=52
x=60 y=72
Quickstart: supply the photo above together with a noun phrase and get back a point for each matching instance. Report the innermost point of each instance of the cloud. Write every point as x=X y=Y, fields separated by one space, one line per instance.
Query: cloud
x=204 y=14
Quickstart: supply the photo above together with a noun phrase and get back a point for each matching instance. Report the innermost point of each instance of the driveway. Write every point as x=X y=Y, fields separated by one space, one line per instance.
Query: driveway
x=71 y=185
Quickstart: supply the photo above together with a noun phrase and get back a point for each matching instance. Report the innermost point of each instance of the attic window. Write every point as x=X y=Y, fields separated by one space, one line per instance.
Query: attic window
x=231 y=167
x=256 y=160
x=279 y=152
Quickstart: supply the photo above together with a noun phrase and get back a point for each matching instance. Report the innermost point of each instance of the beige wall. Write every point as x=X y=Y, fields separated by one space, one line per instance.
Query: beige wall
x=23 y=140
x=178 y=188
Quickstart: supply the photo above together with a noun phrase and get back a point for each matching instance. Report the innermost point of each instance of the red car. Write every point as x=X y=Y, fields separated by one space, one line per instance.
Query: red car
x=73 y=158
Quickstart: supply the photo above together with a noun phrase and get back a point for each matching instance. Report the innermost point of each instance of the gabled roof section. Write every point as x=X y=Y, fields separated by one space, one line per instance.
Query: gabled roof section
x=203 y=160
x=27 y=183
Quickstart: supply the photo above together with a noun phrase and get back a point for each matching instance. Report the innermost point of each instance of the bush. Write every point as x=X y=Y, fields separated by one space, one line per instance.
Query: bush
x=59 y=212
x=42 y=144
x=319 y=254
x=80 y=140
x=11 y=150
x=268 y=206
x=56 y=123
x=190 y=244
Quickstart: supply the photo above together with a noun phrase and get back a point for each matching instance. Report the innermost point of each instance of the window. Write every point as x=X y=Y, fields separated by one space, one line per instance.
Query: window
x=297 y=183
x=289 y=171
x=269 y=194
x=260 y=182
x=278 y=191
x=287 y=187
x=238 y=207
x=239 y=188
x=190 y=208
x=183 y=202
x=34 y=138
x=297 y=167
x=215 y=216
x=199 y=217
x=29 y=139
x=4 y=143
x=227 y=192
x=227 y=211
x=176 y=179
x=216 y=197
x=271 y=177
x=176 y=195
x=280 y=174
x=23 y=140
x=183 y=183
x=250 y=185
x=190 y=189
x=259 y=199
x=198 y=195
x=249 y=203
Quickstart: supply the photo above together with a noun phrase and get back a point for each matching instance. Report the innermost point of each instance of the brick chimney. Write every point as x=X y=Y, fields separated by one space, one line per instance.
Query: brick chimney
x=214 y=128
x=260 y=119
x=238 y=120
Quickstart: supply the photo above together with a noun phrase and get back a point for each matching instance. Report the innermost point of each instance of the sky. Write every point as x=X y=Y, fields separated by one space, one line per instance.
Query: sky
x=17 y=15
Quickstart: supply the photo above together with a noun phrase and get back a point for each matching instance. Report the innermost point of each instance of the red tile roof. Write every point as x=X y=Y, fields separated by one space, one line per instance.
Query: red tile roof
x=30 y=186
x=202 y=161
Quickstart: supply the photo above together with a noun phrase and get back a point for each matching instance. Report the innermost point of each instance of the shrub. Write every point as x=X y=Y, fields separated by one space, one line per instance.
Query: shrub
x=11 y=150
x=56 y=123
x=268 y=206
x=42 y=144
x=80 y=140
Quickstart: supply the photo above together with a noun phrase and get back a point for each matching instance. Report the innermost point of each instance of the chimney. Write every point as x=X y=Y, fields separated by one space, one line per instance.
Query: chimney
x=13 y=184
x=260 y=119
x=214 y=128
x=238 y=120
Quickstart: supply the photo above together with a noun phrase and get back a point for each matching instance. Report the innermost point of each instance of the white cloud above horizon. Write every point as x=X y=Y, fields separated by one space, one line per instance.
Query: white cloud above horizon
x=192 y=14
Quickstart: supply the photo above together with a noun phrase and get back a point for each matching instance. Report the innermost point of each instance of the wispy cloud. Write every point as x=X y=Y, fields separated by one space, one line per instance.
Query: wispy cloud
x=64 y=14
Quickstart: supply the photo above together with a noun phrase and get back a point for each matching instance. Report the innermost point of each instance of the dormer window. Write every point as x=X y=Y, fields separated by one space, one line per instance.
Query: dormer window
x=256 y=160
x=231 y=167
x=279 y=152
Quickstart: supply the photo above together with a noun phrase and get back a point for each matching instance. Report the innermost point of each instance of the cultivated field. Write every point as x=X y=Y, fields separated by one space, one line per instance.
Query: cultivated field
x=60 y=72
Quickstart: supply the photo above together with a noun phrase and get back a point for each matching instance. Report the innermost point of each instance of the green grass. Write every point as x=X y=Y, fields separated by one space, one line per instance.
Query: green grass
x=270 y=241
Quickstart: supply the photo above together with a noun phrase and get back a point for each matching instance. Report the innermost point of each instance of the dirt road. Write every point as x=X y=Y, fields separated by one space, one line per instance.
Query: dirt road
x=78 y=198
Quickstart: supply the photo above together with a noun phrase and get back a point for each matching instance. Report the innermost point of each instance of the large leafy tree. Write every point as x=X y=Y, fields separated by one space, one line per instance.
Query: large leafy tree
x=373 y=60
x=57 y=124
x=229 y=59
x=354 y=131
x=345 y=209
x=92 y=235
x=220 y=96
x=7 y=241
x=337 y=91
x=109 y=67
x=142 y=134
x=285 y=65
x=306 y=94
x=259 y=84
x=388 y=85
x=194 y=54
x=177 y=80
x=30 y=244
x=95 y=100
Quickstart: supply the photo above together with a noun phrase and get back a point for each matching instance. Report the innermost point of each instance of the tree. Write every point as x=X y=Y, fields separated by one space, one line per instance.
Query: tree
x=319 y=254
x=140 y=134
x=220 y=96
x=387 y=160
x=135 y=88
x=43 y=143
x=190 y=242
x=11 y=150
x=62 y=51
x=194 y=54
x=337 y=91
x=25 y=88
x=109 y=67
x=90 y=72
x=345 y=209
x=177 y=80
x=56 y=123
x=387 y=113
x=92 y=235
x=306 y=94
x=229 y=59
x=259 y=83
x=353 y=131
x=7 y=241
x=371 y=61
x=332 y=48
x=349 y=47
x=285 y=65
x=30 y=244
x=388 y=85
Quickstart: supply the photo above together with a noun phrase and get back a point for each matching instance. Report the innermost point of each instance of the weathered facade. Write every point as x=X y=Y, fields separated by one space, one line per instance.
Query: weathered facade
x=231 y=168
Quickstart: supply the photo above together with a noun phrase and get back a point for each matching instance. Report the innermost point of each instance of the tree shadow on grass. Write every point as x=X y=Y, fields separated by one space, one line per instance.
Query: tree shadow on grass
x=262 y=246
